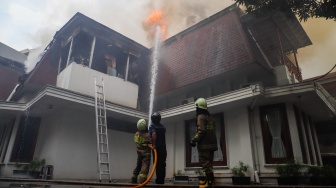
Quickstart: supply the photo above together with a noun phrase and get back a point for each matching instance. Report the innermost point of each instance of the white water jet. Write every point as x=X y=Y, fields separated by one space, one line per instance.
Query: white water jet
x=154 y=69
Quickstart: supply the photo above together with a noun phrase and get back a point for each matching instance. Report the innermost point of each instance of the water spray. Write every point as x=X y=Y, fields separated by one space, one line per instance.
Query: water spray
x=154 y=69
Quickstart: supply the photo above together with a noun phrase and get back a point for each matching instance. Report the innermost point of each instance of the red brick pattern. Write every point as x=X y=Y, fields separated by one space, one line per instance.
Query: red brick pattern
x=45 y=72
x=8 y=80
x=211 y=49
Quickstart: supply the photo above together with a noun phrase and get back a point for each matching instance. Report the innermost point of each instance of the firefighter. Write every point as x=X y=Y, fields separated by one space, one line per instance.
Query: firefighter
x=206 y=141
x=142 y=140
x=158 y=134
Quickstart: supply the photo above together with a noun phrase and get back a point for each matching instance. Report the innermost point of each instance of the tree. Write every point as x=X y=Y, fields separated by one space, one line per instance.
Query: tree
x=304 y=9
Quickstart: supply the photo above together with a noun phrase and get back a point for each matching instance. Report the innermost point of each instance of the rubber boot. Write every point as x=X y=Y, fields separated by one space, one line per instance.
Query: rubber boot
x=142 y=179
x=211 y=178
x=208 y=181
x=203 y=182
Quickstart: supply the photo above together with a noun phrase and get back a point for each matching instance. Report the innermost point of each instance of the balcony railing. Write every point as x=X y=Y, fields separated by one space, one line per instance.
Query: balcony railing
x=292 y=67
x=80 y=79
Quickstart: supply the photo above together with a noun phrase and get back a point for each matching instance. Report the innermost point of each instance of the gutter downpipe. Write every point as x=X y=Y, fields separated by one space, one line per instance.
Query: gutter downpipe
x=255 y=156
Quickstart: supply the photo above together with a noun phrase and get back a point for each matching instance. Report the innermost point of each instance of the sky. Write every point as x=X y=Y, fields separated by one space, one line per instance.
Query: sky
x=33 y=23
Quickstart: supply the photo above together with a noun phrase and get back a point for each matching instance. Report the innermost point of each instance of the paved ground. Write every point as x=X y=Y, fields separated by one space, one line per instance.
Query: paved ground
x=38 y=183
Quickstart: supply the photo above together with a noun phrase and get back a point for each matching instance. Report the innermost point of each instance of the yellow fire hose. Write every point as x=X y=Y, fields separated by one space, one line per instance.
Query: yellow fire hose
x=153 y=169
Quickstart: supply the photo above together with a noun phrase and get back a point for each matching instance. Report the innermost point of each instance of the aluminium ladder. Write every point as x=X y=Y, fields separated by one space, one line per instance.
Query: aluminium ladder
x=101 y=130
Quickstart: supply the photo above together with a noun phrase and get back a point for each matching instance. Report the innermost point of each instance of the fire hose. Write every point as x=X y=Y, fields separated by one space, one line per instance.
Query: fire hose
x=153 y=169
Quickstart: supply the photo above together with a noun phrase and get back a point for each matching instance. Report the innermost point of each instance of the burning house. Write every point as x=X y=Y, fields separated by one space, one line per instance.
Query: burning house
x=245 y=66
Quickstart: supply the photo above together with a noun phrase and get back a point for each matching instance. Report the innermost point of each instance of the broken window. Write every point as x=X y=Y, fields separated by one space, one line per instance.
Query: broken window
x=108 y=57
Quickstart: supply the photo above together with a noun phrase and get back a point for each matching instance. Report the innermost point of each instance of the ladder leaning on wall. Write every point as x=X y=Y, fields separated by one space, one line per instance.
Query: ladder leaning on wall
x=103 y=162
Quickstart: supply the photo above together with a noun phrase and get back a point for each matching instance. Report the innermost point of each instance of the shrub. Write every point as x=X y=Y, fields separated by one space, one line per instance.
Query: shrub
x=240 y=170
x=314 y=171
x=34 y=165
x=290 y=168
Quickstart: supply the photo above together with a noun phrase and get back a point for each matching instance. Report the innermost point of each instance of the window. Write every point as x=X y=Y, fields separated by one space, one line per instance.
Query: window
x=301 y=136
x=306 y=128
x=192 y=153
x=24 y=146
x=276 y=135
x=313 y=133
x=6 y=127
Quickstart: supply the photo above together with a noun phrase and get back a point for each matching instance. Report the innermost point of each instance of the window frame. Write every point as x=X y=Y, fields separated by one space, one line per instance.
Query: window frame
x=33 y=122
x=5 y=137
x=222 y=143
x=267 y=137
x=300 y=128
x=308 y=137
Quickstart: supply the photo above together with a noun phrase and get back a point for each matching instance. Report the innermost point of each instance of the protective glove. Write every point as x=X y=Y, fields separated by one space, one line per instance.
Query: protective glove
x=192 y=144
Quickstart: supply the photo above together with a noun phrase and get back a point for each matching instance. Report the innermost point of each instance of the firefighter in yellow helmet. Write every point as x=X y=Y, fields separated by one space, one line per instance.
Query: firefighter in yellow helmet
x=142 y=140
x=206 y=141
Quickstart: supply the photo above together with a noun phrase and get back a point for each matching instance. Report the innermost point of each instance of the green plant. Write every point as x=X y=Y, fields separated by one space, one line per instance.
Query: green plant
x=34 y=165
x=179 y=172
x=314 y=171
x=328 y=171
x=199 y=172
x=290 y=168
x=240 y=170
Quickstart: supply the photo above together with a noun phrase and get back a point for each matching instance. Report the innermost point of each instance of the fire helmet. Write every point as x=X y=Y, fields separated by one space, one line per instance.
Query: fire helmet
x=156 y=117
x=142 y=125
x=201 y=103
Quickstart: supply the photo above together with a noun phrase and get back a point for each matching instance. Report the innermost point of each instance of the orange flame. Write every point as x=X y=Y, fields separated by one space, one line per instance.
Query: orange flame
x=156 y=18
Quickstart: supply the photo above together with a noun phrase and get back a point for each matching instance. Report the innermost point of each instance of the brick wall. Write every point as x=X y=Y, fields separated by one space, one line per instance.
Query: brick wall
x=8 y=80
x=212 y=48
x=45 y=72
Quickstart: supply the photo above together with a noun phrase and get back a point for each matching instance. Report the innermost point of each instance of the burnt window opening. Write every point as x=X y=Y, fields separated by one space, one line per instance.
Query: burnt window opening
x=108 y=57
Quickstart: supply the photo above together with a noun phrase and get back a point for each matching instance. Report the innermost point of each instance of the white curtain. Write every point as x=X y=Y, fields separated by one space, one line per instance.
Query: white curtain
x=218 y=155
x=194 y=152
x=273 y=118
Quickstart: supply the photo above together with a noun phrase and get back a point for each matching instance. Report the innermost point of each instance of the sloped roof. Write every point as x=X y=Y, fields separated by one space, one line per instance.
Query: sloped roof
x=278 y=25
x=93 y=27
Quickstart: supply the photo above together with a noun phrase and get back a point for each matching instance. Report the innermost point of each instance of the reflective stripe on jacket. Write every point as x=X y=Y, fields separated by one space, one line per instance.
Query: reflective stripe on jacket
x=206 y=133
x=142 y=139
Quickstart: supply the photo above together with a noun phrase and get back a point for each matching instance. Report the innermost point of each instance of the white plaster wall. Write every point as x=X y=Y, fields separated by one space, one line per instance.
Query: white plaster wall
x=177 y=153
x=239 y=147
x=172 y=148
x=79 y=78
x=282 y=75
x=46 y=146
x=123 y=154
x=68 y=141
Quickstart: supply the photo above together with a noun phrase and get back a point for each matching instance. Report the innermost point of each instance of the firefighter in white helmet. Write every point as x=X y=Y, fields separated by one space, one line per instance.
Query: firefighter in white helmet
x=142 y=140
x=206 y=141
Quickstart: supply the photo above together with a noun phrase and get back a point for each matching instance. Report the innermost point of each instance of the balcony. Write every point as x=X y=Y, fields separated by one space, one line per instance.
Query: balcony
x=293 y=69
x=79 y=78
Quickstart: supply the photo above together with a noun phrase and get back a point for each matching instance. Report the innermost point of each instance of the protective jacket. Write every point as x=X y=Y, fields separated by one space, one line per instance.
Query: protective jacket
x=206 y=133
x=142 y=139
